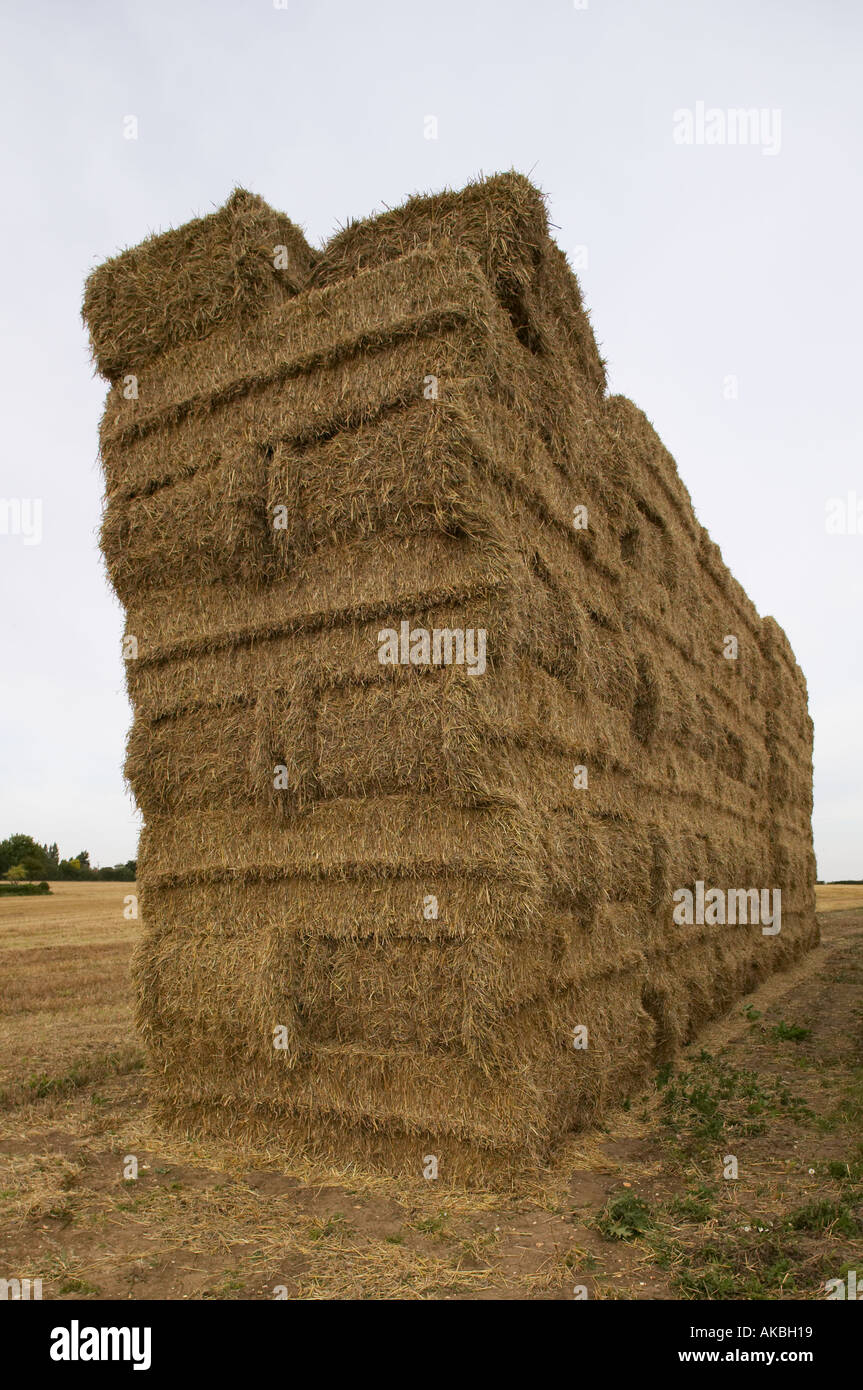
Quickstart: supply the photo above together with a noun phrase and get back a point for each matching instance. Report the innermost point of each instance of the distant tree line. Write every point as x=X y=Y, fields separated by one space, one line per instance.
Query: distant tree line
x=22 y=859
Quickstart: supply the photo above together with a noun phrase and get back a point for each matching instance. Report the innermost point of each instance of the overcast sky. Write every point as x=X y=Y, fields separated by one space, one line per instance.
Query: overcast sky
x=722 y=279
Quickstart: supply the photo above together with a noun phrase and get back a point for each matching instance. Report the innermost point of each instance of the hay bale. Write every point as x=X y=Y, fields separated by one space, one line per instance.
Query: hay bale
x=503 y=221
x=425 y=900
x=181 y=284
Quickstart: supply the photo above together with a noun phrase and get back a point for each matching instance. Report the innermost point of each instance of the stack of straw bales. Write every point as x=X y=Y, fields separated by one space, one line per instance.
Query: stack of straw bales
x=378 y=898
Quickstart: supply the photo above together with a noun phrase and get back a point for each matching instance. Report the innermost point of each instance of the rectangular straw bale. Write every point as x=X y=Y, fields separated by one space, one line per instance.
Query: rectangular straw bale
x=504 y=223
x=413 y=298
x=415 y=902
x=435 y=1095
x=181 y=284
x=407 y=991
x=343 y=840
x=215 y=673
x=208 y=528
x=360 y=582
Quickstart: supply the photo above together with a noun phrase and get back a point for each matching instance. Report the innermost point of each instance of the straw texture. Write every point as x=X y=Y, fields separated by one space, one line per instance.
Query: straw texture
x=427 y=881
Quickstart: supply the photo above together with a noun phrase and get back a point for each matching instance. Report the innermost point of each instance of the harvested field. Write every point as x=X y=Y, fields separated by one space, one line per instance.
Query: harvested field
x=375 y=649
x=633 y=1208
x=838 y=897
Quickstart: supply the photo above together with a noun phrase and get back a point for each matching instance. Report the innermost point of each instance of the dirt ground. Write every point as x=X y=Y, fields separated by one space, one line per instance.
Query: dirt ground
x=638 y=1208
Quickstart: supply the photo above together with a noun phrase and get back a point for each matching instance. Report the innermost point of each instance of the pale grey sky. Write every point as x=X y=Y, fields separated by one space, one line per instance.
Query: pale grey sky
x=705 y=262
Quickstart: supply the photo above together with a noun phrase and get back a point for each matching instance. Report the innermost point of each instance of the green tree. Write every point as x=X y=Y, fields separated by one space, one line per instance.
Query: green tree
x=83 y=858
x=52 y=861
x=16 y=849
x=17 y=874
